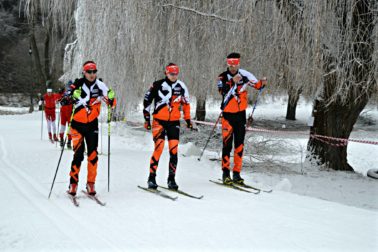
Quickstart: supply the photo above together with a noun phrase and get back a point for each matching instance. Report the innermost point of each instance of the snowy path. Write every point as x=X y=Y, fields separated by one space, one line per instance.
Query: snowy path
x=137 y=220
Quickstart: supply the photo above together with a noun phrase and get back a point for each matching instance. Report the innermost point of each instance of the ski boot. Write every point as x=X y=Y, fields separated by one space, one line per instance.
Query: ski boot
x=56 y=138
x=226 y=177
x=69 y=146
x=61 y=142
x=172 y=183
x=237 y=179
x=152 y=181
x=91 y=189
x=72 y=189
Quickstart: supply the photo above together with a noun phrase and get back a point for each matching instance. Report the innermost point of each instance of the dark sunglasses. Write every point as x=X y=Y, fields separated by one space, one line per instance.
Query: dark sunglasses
x=173 y=74
x=91 y=71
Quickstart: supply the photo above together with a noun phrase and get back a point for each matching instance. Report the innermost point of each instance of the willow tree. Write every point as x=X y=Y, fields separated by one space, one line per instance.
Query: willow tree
x=132 y=41
x=289 y=53
x=348 y=81
x=343 y=36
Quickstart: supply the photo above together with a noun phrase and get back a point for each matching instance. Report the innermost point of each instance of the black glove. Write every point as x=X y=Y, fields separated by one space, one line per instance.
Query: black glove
x=249 y=121
x=147 y=125
x=189 y=124
x=146 y=115
x=64 y=101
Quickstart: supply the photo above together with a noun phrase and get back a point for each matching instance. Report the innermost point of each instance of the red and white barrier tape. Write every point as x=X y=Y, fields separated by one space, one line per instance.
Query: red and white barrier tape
x=325 y=139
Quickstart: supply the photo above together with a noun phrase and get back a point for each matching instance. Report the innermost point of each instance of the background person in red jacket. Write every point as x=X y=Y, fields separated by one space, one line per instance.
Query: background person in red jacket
x=49 y=100
x=65 y=116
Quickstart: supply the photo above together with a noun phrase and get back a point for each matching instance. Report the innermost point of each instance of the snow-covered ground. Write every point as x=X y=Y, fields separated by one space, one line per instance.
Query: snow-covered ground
x=292 y=218
x=13 y=110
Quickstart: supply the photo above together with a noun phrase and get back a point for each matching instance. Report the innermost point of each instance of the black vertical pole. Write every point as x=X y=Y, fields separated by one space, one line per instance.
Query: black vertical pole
x=211 y=134
x=109 y=119
x=42 y=120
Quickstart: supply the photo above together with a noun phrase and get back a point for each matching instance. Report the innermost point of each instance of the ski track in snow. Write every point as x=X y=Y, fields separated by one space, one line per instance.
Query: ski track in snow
x=28 y=188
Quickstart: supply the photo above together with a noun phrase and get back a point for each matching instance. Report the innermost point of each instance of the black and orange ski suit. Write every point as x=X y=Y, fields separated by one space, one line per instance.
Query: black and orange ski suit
x=84 y=125
x=234 y=115
x=168 y=97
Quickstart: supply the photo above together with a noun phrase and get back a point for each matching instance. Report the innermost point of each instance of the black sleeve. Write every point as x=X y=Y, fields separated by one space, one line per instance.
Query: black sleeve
x=223 y=87
x=148 y=98
x=67 y=96
x=221 y=83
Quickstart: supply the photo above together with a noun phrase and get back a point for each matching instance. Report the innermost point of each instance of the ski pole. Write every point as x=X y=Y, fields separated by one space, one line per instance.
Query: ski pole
x=101 y=131
x=211 y=133
x=109 y=120
x=254 y=107
x=57 y=131
x=61 y=153
x=42 y=122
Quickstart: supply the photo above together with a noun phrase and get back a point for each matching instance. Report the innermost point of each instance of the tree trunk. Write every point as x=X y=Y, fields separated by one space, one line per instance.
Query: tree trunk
x=292 y=104
x=37 y=61
x=201 y=109
x=31 y=107
x=32 y=80
x=47 y=54
x=333 y=120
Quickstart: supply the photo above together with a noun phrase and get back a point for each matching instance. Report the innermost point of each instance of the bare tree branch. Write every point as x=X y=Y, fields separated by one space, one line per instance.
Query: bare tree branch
x=210 y=15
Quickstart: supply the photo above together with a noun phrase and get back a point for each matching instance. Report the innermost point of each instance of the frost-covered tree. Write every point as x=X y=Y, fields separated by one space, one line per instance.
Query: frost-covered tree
x=348 y=80
x=132 y=41
x=342 y=45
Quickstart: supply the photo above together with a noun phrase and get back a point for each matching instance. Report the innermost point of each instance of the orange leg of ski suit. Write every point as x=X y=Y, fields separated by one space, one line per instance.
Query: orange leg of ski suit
x=87 y=133
x=233 y=129
x=160 y=129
